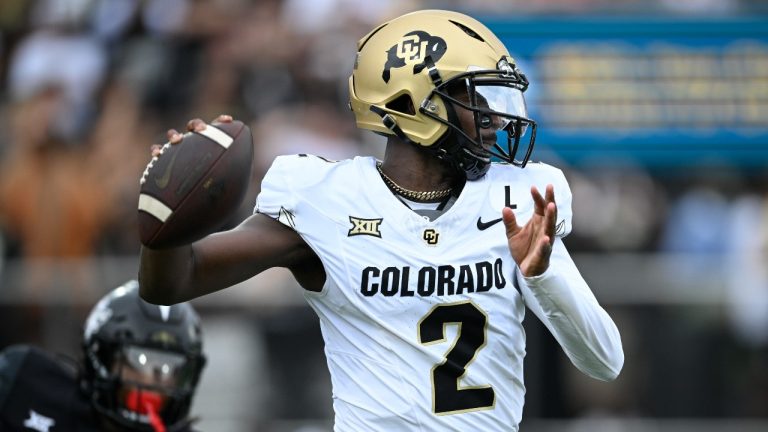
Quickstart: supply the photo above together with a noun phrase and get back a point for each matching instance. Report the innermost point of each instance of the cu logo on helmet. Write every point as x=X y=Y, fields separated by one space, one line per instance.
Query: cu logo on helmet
x=430 y=236
x=413 y=49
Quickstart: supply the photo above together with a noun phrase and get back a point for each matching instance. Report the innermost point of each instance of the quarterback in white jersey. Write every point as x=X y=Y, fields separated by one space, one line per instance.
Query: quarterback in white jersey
x=421 y=265
x=422 y=319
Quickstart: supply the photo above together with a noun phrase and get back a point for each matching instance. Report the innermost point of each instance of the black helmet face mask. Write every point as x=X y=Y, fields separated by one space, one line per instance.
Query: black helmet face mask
x=152 y=383
x=495 y=100
x=163 y=367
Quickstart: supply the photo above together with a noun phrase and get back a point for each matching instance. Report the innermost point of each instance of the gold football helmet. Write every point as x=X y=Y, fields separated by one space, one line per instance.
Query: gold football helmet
x=412 y=73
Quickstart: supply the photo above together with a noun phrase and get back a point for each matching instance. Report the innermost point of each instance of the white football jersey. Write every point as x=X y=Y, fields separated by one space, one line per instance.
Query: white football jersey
x=422 y=320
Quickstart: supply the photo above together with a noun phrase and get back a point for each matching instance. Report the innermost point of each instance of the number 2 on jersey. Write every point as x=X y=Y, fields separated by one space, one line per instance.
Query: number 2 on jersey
x=447 y=396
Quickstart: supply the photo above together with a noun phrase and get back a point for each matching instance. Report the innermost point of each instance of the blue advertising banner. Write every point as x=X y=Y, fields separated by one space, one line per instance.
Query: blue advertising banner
x=657 y=91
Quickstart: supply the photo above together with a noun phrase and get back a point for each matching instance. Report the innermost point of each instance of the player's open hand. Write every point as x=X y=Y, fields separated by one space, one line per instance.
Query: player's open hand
x=531 y=244
x=194 y=125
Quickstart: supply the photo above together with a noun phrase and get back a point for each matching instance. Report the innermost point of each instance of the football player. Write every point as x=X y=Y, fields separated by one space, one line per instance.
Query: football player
x=140 y=367
x=419 y=266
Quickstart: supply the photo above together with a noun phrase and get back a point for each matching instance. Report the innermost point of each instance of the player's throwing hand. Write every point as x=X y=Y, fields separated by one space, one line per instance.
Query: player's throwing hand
x=194 y=125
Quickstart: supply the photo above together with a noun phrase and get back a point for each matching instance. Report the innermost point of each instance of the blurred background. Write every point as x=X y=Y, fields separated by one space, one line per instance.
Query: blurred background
x=656 y=109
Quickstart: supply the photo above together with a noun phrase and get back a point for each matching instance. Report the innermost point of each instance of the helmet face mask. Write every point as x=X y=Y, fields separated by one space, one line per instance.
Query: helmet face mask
x=142 y=362
x=497 y=107
x=447 y=65
x=150 y=379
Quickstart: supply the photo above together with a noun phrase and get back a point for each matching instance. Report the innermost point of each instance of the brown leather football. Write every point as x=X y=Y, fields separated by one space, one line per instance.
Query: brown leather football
x=193 y=187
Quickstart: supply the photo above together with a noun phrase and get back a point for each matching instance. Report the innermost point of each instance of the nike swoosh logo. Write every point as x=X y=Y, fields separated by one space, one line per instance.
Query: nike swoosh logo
x=560 y=228
x=485 y=225
x=163 y=180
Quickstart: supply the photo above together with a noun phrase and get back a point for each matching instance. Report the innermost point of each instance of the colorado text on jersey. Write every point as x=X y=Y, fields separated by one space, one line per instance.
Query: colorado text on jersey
x=444 y=280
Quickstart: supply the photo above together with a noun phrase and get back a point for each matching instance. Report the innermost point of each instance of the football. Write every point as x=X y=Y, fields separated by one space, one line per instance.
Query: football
x=193 y=187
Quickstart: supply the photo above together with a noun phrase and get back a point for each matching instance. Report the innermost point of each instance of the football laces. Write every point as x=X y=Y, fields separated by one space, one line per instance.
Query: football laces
x=151 y=163
x=154 y=159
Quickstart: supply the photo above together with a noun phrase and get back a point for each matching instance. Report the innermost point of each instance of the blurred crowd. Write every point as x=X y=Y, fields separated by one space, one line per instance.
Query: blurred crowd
x=86 y=86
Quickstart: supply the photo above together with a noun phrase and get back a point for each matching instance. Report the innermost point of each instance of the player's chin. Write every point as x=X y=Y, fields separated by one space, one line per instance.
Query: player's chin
x=488 y=142
x=481 y=150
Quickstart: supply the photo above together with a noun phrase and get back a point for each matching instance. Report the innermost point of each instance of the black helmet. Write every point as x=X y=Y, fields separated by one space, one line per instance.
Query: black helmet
x=126 y=337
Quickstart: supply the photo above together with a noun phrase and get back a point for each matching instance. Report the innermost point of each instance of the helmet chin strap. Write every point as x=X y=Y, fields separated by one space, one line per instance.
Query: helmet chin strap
x=455 y=148
x=391 y=124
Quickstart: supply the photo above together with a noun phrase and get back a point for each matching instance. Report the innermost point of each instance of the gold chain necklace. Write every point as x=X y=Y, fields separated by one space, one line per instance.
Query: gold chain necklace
x=424 y=196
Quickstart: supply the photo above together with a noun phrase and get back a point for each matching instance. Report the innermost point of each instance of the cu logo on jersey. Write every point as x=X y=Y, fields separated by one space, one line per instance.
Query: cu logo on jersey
x=362 y=226
x=430 y=236
x=413 y=49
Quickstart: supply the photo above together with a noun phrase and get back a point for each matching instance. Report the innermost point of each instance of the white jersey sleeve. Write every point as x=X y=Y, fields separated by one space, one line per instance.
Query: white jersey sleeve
x=283 y=189
x=563 y=198
x=562 y=300
x=275 y=199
